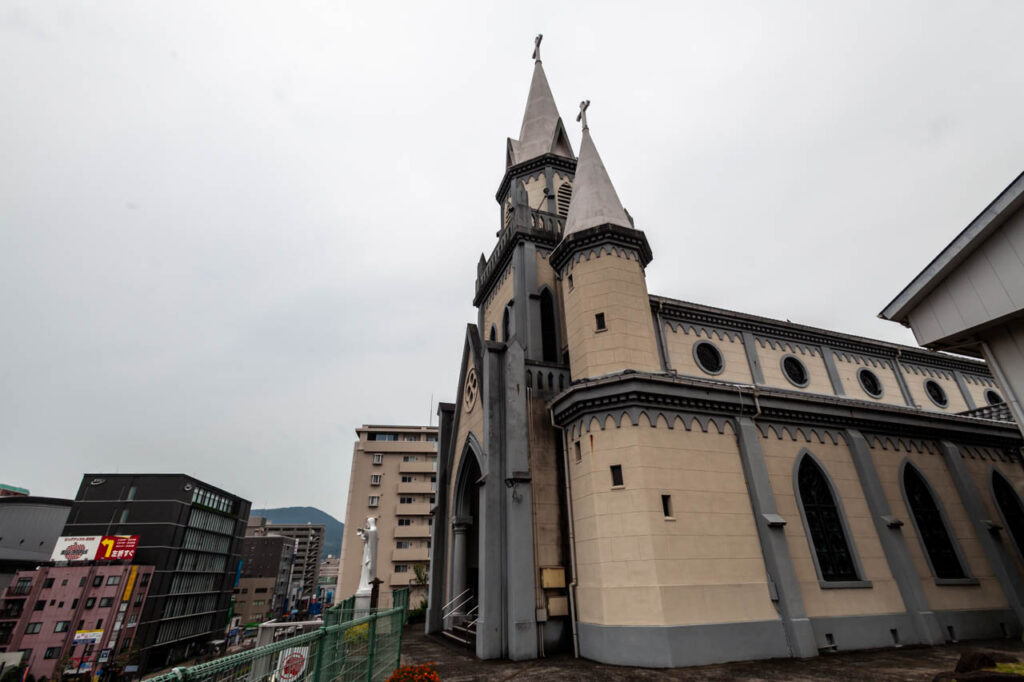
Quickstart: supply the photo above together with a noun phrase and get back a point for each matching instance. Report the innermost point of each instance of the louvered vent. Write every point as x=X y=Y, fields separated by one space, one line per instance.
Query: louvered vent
x=562 y=198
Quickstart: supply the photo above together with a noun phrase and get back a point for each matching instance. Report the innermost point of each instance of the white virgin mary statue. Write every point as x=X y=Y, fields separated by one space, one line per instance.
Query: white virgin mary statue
x=369 y=567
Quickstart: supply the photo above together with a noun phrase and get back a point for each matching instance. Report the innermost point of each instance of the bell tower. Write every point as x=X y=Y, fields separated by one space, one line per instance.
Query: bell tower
x=601 y=260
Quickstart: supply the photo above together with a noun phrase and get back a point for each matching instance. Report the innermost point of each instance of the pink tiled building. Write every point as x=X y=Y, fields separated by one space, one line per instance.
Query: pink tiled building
x=44 y=611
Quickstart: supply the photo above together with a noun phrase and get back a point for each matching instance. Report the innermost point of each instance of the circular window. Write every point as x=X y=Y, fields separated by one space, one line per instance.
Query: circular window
x=795 y=370
x=708 y=357
x=471 y=390
x=992 y=397
x=936 y=393
x=870 y=383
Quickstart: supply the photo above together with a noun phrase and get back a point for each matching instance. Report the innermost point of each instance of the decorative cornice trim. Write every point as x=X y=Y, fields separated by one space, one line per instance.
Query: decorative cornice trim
x=537 y=162
x=591 y=238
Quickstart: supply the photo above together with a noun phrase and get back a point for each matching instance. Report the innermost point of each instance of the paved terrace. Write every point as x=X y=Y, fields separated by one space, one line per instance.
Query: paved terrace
x=906 y=664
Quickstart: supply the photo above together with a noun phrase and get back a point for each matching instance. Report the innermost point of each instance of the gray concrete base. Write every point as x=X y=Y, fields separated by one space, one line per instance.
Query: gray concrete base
x=682 y=645
x=979 y=624
x=864 y=632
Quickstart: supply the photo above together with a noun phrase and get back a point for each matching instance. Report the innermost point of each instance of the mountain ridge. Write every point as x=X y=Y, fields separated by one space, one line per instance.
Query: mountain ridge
x=333 y=528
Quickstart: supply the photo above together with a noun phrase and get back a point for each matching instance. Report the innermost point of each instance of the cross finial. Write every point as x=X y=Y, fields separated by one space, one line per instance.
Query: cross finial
x=536 y=46
x=582 y=116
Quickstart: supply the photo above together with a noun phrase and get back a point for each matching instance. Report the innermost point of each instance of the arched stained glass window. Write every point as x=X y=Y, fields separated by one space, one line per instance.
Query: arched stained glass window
x=549 y=342
x=824 y=523
x=931 y=527
x=1010 y=505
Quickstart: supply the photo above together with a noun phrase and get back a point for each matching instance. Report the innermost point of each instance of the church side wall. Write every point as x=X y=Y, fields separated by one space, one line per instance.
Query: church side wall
x=848 y=368
x=980 y=462
x=781 y=452
x=987 y=594
x=916 y=378
x=771 y=365
x=680 y=341
x=494 y=308
x=636 y=567
x=978 y=385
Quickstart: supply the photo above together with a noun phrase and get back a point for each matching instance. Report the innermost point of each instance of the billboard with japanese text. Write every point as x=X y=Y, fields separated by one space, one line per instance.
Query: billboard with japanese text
x=95 y=548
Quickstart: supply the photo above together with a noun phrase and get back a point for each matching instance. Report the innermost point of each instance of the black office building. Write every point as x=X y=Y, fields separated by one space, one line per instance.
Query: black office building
x=191 y=532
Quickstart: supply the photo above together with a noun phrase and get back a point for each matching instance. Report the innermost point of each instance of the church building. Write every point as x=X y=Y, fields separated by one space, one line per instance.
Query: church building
x=649 y=481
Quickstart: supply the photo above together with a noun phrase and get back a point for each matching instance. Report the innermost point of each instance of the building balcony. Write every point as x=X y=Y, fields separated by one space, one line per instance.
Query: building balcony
x=411 y=554
x=409 y=446
x=414 y=509
x=419 y=530
x=416 y=487
x=18 y=590
x=420 y=467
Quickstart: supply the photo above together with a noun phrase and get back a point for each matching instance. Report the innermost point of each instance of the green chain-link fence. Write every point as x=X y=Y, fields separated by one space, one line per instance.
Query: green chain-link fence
x=353 y=644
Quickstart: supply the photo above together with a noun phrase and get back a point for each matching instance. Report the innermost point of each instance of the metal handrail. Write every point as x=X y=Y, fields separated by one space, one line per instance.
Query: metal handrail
x=458 y=606
x=456 y=598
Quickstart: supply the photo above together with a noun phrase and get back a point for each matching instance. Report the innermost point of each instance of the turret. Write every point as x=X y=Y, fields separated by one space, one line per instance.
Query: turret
x=601 y=261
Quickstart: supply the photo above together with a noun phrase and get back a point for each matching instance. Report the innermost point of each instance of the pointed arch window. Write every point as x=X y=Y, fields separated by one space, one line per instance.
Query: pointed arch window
x=549 y=339
x=931 y=526
x=1011 y=508
x=824 y=523
x=506 y=323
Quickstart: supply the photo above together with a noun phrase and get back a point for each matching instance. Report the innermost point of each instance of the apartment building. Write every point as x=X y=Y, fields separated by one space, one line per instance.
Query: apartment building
x=393 y=480
x=262 y=592
x=308 y=551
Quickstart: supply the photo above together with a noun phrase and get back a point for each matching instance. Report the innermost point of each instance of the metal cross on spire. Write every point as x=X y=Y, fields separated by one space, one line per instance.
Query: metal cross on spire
x=536 y=46
x=582 y=116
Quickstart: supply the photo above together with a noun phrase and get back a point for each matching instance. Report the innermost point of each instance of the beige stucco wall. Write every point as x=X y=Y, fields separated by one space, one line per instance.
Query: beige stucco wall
x=680 y=340
x=915 y=383
x=535 y=192
x=771 y=367
x=614 y=285
x=987 y=595
x=638 y=568
x=977 y=385
x=494 y=308
x=883 y=596
x=848 y=369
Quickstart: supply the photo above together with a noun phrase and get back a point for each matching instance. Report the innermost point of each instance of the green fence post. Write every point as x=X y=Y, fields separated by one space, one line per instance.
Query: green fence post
x=372 y=644
x=399 y=618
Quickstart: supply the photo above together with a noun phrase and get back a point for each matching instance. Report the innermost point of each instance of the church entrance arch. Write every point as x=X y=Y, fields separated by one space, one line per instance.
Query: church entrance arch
x=466 y=534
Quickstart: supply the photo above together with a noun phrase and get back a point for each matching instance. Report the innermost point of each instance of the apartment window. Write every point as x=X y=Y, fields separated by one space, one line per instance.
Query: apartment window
x=403 y=544
x=405 y=500
x=90 y=602
x=401 y=568
x=260 y=590
x=114 y=580
x=52 y=652
x=33 y=628
x=48 y=583
x=74 y=604
x=431 y=438
x=411 y=438
x=97 y=581
x=40 y=605
x=378 y=458
x=81 y=583
x=404 y=522
x=382 y=436
x=409 y=458
x=64 y=582
x=106 y=601
x=599 y=322
x=616 y=475
x=62 y=626
x=99 y=624
x=374 y=479
x=666 y=506
x=145 y=580
x=406 y=479
x=132 y=619
x=258 y=602
x=374 y=500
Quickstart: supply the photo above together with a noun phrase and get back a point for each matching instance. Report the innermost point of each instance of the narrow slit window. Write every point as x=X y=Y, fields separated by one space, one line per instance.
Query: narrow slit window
x=570 y=283
x=666 y=506
x=616 y=475
x=579 y=452
x=599 y=321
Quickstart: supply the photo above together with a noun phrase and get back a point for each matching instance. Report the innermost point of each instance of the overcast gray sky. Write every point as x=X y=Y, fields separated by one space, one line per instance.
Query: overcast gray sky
x=232 y=232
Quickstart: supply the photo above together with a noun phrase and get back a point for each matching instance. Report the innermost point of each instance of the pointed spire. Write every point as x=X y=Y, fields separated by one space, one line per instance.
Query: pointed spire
x=542 y=131
x=594 y=200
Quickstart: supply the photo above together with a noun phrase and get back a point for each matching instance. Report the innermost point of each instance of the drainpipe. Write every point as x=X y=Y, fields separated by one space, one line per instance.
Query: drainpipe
x=572 y=539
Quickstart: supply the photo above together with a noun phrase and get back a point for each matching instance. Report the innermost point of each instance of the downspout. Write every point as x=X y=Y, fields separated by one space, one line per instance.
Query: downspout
x=572 y=538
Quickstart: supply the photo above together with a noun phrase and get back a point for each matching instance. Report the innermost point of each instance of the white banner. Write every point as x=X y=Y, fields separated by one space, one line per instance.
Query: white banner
x=292 y=663
x=76 y=548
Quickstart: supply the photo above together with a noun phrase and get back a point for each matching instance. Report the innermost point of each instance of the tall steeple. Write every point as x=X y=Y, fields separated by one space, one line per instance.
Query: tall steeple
x=542 y=131
x=594 y=200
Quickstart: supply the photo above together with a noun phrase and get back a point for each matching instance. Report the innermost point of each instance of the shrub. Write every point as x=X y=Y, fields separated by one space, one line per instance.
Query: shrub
x=415 y=673
x=357 y=635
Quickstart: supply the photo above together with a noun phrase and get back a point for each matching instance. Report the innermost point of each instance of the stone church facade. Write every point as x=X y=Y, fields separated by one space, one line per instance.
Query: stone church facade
x=660 y=483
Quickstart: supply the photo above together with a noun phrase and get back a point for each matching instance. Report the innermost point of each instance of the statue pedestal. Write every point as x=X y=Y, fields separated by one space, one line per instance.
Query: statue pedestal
x=362 y=602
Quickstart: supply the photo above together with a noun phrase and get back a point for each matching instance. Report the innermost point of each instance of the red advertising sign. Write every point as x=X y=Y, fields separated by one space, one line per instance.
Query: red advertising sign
x=117 y=547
